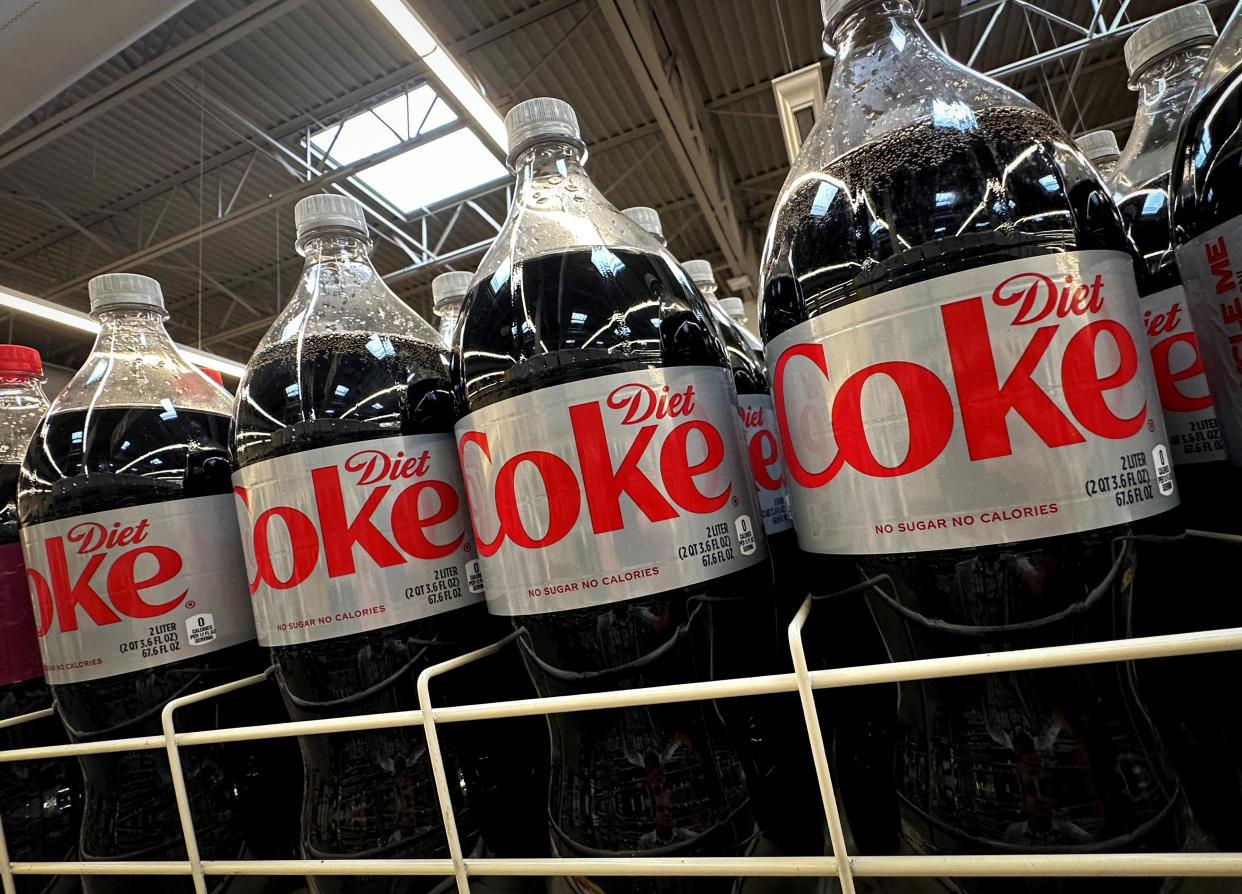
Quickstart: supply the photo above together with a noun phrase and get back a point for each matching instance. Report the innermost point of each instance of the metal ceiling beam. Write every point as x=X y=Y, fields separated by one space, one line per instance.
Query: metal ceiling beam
x=276 y=200
x=456 y=204
x=632 y=26
x=263 y=319
x=505 y=26
x=366 y=93
x=402 y=76
x=394 y=278
x=247 y=20
x=628 y=136
x=1107 y=33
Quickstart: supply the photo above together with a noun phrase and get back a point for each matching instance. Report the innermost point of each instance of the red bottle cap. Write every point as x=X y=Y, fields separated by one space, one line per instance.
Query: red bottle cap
x=213 y=374
x=20 y=359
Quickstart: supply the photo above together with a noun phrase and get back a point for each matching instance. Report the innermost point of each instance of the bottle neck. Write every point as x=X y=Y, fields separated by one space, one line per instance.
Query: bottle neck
x=334 y=246
x=1226 y=55
x=895 y=21
x=1106 y=167
x=553 y=162
x=21 y=386
x=132 y=330
x=448 y=321
x=1168 y=76
x=1164 y=88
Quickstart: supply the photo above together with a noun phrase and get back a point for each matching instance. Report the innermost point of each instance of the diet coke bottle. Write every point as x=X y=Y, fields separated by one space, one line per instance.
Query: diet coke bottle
x=448 y=290
x=356 y=536
x=40 y=801
x=968 y=415
x=1207 y=230
x=611 y=502
x=1165 y=58
x=1101 y=149
x=769 y=729
x=139 y=586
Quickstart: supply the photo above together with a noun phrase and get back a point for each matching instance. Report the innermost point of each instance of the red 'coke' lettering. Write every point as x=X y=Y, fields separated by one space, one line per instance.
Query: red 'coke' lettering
x=981 y=397
x=675 y=464
x=598 y=484
x=404 y=515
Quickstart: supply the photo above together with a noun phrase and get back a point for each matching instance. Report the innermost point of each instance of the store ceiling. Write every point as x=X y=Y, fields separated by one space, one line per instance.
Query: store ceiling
x=182 y=155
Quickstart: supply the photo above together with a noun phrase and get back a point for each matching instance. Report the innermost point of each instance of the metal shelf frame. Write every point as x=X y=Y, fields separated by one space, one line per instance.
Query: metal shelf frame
x=846 y=867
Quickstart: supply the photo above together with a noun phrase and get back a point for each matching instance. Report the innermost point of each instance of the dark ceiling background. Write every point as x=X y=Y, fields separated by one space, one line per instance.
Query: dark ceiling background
x=182 y=155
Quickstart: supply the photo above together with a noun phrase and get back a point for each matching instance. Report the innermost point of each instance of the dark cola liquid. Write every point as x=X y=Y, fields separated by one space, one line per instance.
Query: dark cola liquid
x=1205 y=190
x=1013 y=763
x=659 y=780
x=371 y=794
x=770 y=730
x=1209 y=490
x=116 y=461
x=40 y=801
x=1201 y=743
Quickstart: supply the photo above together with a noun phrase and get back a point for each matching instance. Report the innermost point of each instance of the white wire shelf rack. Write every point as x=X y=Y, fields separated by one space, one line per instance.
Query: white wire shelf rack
x=803 y=681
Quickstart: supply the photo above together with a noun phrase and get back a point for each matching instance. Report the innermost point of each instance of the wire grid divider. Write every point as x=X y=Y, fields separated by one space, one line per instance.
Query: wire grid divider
x=803 y=681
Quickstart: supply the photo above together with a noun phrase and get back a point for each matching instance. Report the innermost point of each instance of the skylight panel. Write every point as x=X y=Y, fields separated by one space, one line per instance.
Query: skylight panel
x=424 y=175
x=434 y=171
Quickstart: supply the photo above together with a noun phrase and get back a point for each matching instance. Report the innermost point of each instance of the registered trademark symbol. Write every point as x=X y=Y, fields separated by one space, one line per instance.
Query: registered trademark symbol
x=466 y=547
x=190 y=604
x=735 y=501
x=1151 y=425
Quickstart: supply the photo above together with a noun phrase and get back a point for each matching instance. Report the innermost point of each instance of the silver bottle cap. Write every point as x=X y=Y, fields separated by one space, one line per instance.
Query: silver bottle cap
x=450 y=288
x=734 y=308
x=700 y=272
x=132 y=290
x=1099 y=145
x=647 y=218
x=1184 y=26
x=328 y=210
x=539 y=119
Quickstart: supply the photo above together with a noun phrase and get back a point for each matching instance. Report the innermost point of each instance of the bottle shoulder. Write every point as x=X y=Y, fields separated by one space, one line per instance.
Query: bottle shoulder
x=929 y=200
x=331 y=388
x=586 y=311
x=89 y=460
x=1205 y=186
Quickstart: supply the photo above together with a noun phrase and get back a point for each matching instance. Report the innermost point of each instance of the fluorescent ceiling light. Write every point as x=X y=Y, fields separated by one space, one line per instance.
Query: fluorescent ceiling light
x=54 y=313
x=212 y=361
x=444 y=67
x=37 y=307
